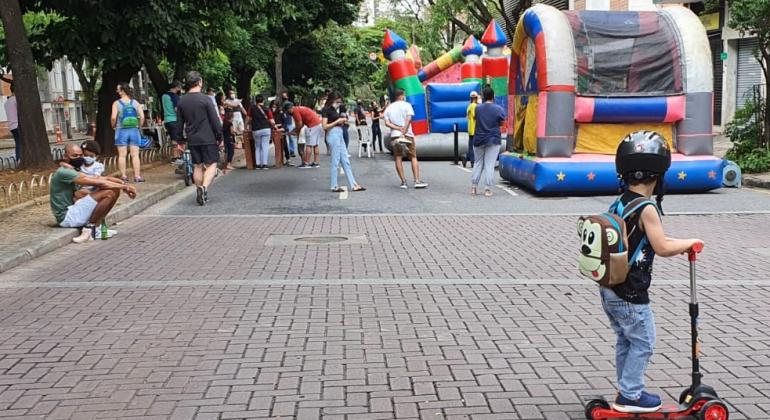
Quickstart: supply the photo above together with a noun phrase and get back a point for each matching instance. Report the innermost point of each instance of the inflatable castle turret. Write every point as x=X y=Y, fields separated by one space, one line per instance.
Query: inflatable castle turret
x=470 y=71
x=495 y=64
x=404 y=76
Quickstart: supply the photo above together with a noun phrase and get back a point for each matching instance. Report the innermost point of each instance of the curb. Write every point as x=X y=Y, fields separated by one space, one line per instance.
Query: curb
x=64 y=237
x=750 y=181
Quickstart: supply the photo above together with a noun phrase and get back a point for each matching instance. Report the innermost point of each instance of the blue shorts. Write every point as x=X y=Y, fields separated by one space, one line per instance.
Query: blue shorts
x=127 y=137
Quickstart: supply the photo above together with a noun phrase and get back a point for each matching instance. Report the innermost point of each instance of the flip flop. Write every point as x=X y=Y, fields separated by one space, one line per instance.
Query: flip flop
x=338 y=190
x=359 y=189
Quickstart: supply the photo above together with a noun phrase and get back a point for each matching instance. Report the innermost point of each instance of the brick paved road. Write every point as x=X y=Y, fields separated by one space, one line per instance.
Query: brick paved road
x=415 y=322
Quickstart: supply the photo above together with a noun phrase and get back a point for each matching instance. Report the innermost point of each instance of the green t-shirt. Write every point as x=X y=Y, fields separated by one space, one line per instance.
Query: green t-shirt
x=169 y=113
x=62 y=189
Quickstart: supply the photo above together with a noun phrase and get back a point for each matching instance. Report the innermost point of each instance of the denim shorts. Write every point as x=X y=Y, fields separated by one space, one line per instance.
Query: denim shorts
x=127 y=137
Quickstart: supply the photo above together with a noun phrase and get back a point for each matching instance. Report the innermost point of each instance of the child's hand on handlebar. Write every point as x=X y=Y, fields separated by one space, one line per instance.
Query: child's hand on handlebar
x=695 y=245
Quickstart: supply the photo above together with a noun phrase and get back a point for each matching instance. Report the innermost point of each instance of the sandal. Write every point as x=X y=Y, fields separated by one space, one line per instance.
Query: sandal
x=473 y=191
x=338 y=190
x=124 y=179
x=488 y=193
x=138 y=179
x=360 y=188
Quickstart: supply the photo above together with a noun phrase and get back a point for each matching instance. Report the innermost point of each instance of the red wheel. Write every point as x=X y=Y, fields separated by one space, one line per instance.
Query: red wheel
x=713 y=410
x=593 y=406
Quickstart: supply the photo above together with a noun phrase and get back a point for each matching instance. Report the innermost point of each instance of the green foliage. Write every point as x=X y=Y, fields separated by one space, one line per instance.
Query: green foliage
x=214 y=66
x=261 y=82
x=745 y=133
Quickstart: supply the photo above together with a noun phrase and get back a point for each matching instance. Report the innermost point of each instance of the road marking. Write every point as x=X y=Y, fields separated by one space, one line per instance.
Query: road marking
x=344 y=193
x=470 y=214
x=507 y=189
x=576 y=283
x=462 y=168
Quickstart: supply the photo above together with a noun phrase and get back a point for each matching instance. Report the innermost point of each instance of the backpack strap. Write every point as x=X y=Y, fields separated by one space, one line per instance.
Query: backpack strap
x=636 y=204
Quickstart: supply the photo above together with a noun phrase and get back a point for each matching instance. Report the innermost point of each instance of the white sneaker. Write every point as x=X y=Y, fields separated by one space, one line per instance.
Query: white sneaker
x=85 y=236
x=420 y=184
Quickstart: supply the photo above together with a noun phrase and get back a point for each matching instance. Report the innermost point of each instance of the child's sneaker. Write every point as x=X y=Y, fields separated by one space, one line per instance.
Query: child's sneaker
x=85 y=236
x=647 y=403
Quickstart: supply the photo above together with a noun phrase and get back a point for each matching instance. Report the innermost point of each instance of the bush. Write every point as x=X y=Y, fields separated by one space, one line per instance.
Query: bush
x=745 y=131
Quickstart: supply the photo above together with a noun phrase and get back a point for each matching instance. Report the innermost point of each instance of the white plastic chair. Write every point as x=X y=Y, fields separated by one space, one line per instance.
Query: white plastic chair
x=364 y=140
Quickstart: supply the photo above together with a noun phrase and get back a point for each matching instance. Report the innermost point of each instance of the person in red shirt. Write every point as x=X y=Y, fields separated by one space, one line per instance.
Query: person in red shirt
x=304 y=116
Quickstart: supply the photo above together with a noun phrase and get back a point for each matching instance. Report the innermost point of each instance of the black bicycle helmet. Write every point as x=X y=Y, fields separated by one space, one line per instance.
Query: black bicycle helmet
x=641 y=156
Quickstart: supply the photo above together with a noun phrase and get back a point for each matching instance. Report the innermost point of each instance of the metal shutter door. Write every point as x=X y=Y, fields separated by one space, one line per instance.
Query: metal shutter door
x=749 y=71
x=716 y=59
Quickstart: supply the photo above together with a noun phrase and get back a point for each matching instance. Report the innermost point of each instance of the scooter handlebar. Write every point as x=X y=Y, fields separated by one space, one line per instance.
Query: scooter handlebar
x=696 y=249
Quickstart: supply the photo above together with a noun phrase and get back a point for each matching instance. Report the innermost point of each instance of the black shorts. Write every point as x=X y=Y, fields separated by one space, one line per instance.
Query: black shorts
x=205 y=154
x=172 y=131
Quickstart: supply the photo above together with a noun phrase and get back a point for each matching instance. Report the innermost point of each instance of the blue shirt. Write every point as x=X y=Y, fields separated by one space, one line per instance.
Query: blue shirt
x=489 y=116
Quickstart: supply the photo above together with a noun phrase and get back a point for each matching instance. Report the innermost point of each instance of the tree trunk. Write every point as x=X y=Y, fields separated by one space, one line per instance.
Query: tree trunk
x=157 y=77
x=279 y=69
x=35 y=150
x=89 y=91
x=243 y=84
x=105 y=135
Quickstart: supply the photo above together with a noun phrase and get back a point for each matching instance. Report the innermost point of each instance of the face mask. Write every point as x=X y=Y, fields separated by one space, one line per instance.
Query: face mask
x=77 y=162
x=89 y=160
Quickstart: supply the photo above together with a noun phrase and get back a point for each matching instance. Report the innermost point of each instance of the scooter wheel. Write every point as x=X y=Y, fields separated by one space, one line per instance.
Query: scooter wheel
x=594 y=405
x=683 y=395
x=713 y=410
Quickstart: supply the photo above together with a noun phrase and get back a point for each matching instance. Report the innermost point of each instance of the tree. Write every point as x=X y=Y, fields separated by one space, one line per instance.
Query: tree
x=88 y=75
x=291 y=20
x=36 y=151
x=752 y=17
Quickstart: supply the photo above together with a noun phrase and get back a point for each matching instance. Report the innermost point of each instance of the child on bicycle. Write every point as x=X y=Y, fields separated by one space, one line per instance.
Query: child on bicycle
x=641 y=162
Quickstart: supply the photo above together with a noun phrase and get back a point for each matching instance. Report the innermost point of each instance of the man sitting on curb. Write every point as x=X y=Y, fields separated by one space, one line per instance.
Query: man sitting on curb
x=90 y=210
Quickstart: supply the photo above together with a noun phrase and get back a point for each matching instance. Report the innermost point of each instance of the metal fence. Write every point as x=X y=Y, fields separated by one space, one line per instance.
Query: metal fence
x=39 y=185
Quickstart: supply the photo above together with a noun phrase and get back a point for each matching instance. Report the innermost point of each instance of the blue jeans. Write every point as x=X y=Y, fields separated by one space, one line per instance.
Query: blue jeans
x=634 y=326
x=261 y=146
x=339 y=156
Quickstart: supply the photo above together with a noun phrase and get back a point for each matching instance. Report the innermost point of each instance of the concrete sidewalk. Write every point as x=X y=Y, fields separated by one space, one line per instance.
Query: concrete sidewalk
x=31 y=232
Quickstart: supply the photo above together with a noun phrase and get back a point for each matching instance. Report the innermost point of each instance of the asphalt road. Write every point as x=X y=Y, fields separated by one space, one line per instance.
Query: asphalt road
x=307 y=191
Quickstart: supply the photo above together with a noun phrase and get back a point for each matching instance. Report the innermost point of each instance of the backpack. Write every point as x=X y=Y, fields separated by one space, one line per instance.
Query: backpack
x=129 y=118
x=604 y=254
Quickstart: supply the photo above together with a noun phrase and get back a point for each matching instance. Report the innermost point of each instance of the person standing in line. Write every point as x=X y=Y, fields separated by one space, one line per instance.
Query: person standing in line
x=168 y=102
x=333 y=120
x=306 y=118
x=220 y=102
x=12 y=115
x=212 y=94
x=486 y=141
x=228 y=133
x=262 y=123
x=470 y=113
x=127 y=116
x=398 y=117
x=343 y=111
x=279 y=130
x=199 y=121
x=376 y=130
x=236 y=106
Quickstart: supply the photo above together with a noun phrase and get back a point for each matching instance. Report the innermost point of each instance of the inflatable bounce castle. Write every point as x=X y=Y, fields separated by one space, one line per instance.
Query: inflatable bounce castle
x=574 y=85
x=580 y=81
x=440 y=91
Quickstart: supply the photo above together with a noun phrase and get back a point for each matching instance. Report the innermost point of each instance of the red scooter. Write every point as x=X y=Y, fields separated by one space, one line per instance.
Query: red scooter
x=698 y=401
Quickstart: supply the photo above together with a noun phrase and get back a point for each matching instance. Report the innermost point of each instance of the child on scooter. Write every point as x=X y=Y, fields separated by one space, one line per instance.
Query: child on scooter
x=641 y=162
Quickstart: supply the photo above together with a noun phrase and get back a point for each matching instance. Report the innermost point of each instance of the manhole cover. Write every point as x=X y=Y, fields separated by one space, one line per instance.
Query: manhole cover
x=316 y=239
x=321 y=239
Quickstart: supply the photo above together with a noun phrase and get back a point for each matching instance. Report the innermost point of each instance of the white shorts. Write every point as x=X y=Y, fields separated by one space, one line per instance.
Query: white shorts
x=314 y=135
x=79 y=213
x=301 y=139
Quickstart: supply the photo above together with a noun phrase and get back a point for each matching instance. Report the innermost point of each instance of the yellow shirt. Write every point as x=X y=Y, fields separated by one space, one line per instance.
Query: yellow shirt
x=471 y=115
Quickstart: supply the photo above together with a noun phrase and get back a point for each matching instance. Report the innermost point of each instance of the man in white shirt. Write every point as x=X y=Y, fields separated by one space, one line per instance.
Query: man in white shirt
x=398 y=117
x=12 y=114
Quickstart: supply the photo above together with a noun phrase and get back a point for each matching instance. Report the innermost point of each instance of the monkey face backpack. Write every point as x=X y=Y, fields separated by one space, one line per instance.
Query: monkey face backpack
x=604 y=243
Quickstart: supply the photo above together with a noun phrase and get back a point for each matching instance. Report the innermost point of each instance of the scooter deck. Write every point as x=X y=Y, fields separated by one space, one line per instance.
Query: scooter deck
x=667 y=411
